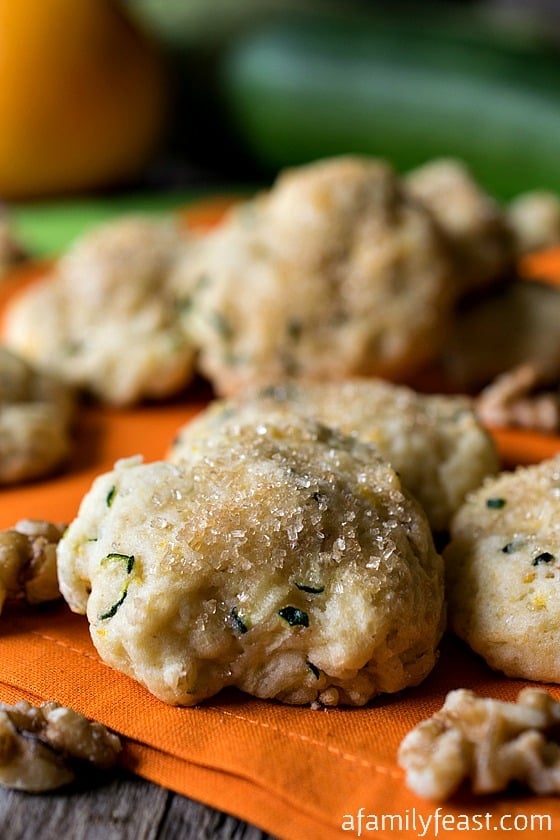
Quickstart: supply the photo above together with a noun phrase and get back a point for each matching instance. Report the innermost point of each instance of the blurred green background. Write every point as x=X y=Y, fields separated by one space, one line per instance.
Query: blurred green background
x=262 y=84
x=252 y=86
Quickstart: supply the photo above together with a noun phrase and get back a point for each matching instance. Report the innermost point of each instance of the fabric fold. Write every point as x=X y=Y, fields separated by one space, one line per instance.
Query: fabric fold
x=292 y=771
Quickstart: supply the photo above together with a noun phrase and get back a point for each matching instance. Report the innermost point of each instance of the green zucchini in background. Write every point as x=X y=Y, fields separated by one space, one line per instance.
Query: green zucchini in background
x=301 y=89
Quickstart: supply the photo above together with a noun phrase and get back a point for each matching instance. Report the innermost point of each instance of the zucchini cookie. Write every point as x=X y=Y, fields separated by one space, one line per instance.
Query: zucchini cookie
x=477 y=228
x=288 y=562
x=435 y=442
x=35 y=416
x=534 y=218
x=335 y=271
x=104 y=319
x=503 y=572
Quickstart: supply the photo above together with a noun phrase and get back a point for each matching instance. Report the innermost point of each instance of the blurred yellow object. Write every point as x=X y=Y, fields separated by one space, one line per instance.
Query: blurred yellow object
x=82 y=96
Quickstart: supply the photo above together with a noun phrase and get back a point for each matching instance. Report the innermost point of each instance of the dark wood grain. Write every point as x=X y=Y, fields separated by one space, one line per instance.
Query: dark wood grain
x=127 y=808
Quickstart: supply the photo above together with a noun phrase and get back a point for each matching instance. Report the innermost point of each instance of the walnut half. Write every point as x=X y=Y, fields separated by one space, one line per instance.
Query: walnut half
x=41 y=747
x=517 y=398
x=28 y=562
x=491 y=742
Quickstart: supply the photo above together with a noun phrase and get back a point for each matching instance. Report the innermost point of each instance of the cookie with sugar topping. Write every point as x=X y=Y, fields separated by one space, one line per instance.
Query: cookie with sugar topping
x=535 y=220
x=288 y=561
x=36 y=411
x=435 y=442
x=335 y=271
x=104 y=319
x=477 y=228
x=503 y=572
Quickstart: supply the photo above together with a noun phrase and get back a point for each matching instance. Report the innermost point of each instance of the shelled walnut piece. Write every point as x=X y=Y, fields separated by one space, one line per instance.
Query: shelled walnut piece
x=490 y=741
x=516 y=398
x=28 y=562
x=41 y=746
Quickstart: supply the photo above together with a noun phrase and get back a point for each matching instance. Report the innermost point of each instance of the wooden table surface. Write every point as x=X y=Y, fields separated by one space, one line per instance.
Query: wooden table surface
x=123 y=808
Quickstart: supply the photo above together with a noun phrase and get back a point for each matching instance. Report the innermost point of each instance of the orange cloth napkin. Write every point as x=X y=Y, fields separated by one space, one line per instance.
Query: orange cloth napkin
x=296 y=773
x=542 y=266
